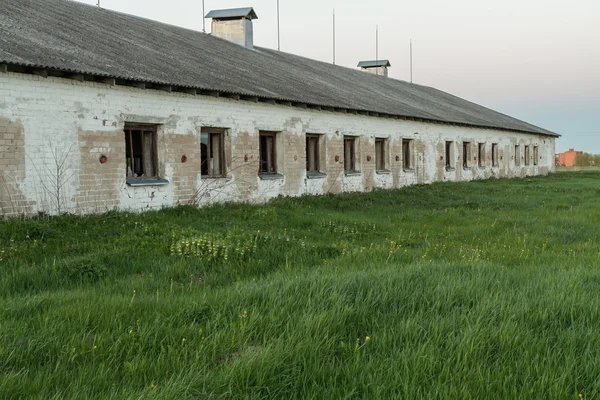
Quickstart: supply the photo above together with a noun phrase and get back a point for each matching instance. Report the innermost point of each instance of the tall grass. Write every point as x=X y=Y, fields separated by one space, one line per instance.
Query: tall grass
x=485 y=289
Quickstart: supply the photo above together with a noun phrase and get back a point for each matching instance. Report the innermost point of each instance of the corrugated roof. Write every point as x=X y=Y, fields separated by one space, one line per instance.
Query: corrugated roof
x=75 y=37
x=246 y=12
x=374 y=63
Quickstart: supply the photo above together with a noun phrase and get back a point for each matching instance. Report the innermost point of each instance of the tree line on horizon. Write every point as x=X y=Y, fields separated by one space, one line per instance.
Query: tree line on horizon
x=587 y=160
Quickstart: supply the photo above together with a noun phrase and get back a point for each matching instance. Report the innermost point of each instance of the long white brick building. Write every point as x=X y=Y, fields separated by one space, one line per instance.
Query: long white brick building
x=102 y=110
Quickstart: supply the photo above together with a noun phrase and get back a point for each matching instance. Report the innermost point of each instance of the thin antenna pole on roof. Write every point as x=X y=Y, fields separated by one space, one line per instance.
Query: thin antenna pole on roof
x=203 y=18
x=411 y=62
x=334 y=36
x=377 y=47
x=98 y=4
x=278 y=34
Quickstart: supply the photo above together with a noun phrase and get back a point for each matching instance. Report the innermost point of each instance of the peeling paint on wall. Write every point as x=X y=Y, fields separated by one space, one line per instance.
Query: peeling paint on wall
x=89 y=119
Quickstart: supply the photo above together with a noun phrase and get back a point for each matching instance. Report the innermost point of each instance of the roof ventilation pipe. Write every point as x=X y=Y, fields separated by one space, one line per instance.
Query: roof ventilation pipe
x=234 y=25
x=379 y=67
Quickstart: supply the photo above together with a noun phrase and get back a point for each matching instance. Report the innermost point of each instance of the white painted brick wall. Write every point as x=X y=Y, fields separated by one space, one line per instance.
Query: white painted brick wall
x=53 y=112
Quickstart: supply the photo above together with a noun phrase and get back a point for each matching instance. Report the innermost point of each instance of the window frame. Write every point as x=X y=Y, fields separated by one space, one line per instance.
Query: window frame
x=129 y=161
x=449 y=154
x=222 y=161
x=271 y=169
x=481 y=155
x=317 y=153
x=535 y=155
x=495 y=154
x=408 y=154
x=466 y=156
x=517 y=155
x=381 y=155
x=352 y=162
x=527 y=161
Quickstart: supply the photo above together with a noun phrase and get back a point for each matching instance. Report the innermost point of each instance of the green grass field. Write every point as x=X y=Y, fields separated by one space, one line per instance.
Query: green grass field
x=480 y=290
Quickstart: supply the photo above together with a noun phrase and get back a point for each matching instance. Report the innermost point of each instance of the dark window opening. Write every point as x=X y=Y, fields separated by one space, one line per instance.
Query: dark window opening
x=494 y=154
x=449 y=156
x=312 y=153
x=407 y=162
x=140 y=151
x=267 y=153
x=481 y=155
x=212 y=153
x=535 y=155
x=466 y=154
x=517 y=155
x=526 y=155
x=380 y=153
x=349 y=154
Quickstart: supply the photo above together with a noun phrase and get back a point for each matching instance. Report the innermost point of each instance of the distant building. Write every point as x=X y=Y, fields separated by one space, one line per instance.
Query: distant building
x=567 y=158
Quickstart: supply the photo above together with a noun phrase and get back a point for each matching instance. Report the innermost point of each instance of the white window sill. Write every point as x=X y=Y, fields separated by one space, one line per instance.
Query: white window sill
x=352 y=173
x=146 y=182
x=410 y=170
x=450 y=169
x=383 y=171
x=315 y=175
x=270 y=177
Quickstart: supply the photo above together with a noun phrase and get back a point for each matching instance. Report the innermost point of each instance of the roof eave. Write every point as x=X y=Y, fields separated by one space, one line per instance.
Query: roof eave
x=238 y=95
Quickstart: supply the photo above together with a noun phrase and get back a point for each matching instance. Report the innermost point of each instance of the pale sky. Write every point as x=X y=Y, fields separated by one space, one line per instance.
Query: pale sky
x=536 y=60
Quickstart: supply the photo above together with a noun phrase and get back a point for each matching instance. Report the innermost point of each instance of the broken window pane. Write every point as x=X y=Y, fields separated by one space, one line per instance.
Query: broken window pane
x=212 y=153
x=140 y=152
x=267 y=153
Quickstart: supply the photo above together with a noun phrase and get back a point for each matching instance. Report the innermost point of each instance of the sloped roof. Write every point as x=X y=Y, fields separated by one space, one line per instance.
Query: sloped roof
x=75 y=37
x=374 y=63
x=246 y=12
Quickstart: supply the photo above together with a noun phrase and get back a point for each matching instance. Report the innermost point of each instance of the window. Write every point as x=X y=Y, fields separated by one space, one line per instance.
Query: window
x=349 y=154
x=526 y=155
x=140 y=151
x=380 y=154
x=481 y=154
x=267 y=153
x=535 y=155
x=517 y=155
x=407 y=154
x=449 y=155
x=312 y=153
x=494 y=154
x=212 y=153
x=466 y=154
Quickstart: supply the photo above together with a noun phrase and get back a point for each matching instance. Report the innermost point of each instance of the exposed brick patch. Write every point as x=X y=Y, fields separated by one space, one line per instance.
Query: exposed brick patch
x=99 y=183
x=12 y=169
x=185 y=175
